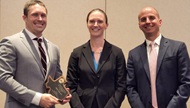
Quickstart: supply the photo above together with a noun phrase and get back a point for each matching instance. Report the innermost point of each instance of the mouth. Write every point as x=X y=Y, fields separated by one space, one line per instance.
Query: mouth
x=39 y=24
x=148 y=27
x=95 y=29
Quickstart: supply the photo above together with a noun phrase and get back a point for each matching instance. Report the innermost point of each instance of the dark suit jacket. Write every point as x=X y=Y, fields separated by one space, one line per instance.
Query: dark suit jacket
x=21 y=73
x=173 y=76
x=101 y=89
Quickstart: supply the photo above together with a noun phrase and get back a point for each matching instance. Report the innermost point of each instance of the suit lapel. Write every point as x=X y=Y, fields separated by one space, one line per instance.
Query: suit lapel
x=88 y=55
x=105 y=55
x=162 y=51
x=49 y=54
x=144 y=58
x=103 y=58
x=29 y=44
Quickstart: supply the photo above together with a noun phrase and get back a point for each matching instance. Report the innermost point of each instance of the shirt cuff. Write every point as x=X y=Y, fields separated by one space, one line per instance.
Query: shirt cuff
x=36 y=99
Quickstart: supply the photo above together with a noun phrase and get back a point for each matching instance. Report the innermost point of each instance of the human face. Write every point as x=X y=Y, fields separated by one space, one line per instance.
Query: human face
x=96 y=24
x=36 y=20
x=149 y=22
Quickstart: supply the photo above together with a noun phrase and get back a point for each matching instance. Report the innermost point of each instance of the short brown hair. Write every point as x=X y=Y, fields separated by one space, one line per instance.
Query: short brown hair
x=31 y=3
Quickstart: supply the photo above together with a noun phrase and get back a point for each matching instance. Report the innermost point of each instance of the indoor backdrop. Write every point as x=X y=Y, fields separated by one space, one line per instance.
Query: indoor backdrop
x=67 y=24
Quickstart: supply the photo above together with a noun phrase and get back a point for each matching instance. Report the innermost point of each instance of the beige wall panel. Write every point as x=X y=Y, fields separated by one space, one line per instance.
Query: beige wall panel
x=67 y=24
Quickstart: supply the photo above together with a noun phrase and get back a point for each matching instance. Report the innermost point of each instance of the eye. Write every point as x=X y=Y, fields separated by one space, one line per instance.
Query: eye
x=100 y=21
x=39 y=15
x=35 y=14
x=91 y=21
x=43 y=15
x=143 y=19
x=152 y=17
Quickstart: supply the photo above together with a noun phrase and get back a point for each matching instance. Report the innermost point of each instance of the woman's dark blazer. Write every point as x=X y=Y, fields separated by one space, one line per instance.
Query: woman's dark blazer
x=106 y=86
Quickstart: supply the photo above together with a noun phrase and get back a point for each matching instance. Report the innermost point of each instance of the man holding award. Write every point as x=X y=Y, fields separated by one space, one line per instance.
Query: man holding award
x=28 y=60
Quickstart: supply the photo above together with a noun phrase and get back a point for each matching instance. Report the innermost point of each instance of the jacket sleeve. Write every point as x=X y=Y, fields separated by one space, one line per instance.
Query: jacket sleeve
x=183 y=91
x=120 y=83
x=7 y=72
x=132 y=94
x=72 y=78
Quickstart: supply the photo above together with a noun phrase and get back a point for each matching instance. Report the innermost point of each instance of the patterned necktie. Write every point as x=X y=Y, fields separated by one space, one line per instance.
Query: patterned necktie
x=43 y=54
x=152 y=66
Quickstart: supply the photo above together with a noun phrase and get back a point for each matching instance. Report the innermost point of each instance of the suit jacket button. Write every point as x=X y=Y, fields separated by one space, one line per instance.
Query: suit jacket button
x=98 y=75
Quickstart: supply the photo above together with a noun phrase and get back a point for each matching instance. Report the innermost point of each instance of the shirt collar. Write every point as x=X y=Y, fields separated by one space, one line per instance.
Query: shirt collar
x=157 y=40
x=31 y=35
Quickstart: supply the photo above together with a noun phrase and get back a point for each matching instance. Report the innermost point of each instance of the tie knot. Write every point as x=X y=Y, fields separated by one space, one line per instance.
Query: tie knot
x=152 y=44
x=39 y=40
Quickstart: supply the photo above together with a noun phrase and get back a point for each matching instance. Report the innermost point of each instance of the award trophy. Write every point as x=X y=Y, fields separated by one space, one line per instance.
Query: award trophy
x=57 y=87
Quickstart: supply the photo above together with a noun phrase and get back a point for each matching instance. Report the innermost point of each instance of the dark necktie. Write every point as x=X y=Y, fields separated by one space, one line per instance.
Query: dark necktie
x=152 y=66
x=43 y=54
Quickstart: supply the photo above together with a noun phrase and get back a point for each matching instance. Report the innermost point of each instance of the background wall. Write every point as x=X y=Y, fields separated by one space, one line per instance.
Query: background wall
x=67 y=24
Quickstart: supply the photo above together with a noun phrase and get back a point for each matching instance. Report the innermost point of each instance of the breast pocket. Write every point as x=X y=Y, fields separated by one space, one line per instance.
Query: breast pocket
x=170 y=65
x=171 y=58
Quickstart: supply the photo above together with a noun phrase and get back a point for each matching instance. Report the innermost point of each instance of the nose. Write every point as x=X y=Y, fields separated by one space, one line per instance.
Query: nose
x=96 y=23
x=39 y=17
x=147 y=20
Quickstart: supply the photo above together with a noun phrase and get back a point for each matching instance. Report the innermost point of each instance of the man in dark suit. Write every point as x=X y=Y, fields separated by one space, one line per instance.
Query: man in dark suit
x=172 y=80
x=22 y=75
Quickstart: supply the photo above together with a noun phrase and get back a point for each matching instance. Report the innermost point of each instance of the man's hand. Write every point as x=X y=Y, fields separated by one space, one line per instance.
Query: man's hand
x=47 y=100
x=67 y=99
